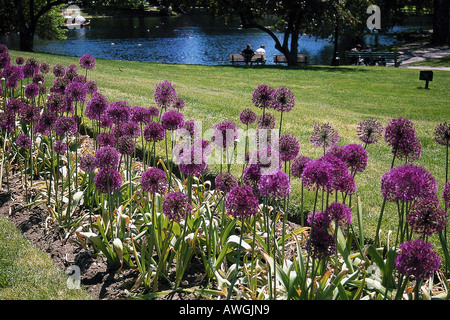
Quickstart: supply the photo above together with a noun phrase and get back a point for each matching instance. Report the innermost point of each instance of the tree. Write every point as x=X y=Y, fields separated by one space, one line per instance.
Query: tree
x=292 y=17
x=27 y=18
x=441 y=33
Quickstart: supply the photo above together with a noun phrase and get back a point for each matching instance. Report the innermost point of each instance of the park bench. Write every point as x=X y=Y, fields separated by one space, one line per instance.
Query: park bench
x=280 y=58
x=373 y=57
x=256 y=58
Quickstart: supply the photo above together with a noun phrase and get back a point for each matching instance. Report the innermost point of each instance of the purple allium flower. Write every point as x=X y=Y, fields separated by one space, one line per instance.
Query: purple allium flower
x=30 y=68
x=105 y=139
x=446 y=194
x=225 y=182
x=71 y=72
x=80 y=79
x=96 y=106
x=263 y=96
x=129 y=128
x=426 y=217
x=108 y=180
x=297 y=166
x=275 y=185
x=154 y=111
x=5 y=59
x=60 y=147
x=318 y=174
x=107 y=157
x=119 y=112
x=12 y=74
x=140 y=115
x=30 y=113
x=342 y=176
x=23 y=141
x=126 y=145
x=59 y=70
x=154 y=181
x=417 y=258
x=284 y=99
x=88 y=163
x=400 y=134
x=176 y=206
x=56 y=102
x=44 y=67
x=91 y=87
x=241 y=202
x=224 y=135
x=59 y=85
x=407 y=183
x=442 y=134
x=7 y=122
x=193 y=162
x=247 y=116
x=20 y=61
x=267 y=159
x=105 y=122
x=14 y=106
x=355 y=156
x=179 y=103
x=289 y=147
x=321 y=220
x=266 y=121
x=324 y=135
x=165 y=94
x=45 y=123
x=251 y=176
x=322 y=244
x=42 y=89
x=172 y=120
x=192 y=129
x=66 y=126
x=38 y=78
x=154 y=132
x=76 y=92
x=87 y=61
x=339 y=213
x=31 y=91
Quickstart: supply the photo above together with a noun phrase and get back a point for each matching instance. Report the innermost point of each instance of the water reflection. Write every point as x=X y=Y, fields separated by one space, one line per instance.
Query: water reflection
x=192 y=39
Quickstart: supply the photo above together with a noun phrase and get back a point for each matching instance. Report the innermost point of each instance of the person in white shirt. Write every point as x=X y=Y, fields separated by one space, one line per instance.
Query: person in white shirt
x=261 y=50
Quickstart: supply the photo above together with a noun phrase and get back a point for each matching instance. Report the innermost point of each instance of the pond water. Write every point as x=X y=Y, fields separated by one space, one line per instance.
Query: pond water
x=186 y=39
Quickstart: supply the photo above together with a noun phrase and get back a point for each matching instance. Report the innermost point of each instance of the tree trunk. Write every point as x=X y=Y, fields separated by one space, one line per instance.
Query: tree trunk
x=441 y=22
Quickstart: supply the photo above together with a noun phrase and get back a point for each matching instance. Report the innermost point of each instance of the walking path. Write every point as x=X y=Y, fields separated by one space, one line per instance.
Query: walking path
x=422 y=50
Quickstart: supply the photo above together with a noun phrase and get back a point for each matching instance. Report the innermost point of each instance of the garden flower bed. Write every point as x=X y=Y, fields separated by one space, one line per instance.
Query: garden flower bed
x=159 y=224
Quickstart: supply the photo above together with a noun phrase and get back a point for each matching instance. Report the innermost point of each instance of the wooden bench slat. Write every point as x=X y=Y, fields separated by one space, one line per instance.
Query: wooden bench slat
x=257 y=57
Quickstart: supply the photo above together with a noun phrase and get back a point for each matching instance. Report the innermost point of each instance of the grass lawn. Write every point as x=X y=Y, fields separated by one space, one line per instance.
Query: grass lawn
x=433 y=62
x=341 y=95
x=27 y=273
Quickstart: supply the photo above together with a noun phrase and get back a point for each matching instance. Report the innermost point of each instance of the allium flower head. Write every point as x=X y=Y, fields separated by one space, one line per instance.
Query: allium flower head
x=59 y=85
x=275 y=185
x=179 y=103
x=446 y=194
x=108 y=180
x=30 y=113
x=172 y=120
x=318 y=174
x=193 y=161
x=105 y=139
x=31 y=91
x=241 y=202
x=129 y=128
x=91 y=87
x=267 y=159
x=324 y=135
x=7 y=122
x=266 y=121
x=339 y=213
x=12 y=74
x=176 y=206
x=251 y=176
x=284 y=99
x=369 y=131
x=87 y=61
x=44 y=67
x=400 y=134
x=417 y=258
x=14 y=106
x=71 y=72
x=20 y=61
x=96 y=106
x=408 y=182
x=59 y=70
x=263 y=96
x=224 y=135
x=119 y=112
x=442 y=134
x=60 y=147
x=247 y=116
x=88 y=163
x=355 y=156
x=322 y=244
x=289 y=147
x=154 y=111
x=154 y=132
x=192 y=129
x=126 y=145
x=45 y=123
x=140 y=115
x=23 y=141
x=76 y=92
x=154 y=181
x=66 y=126
x=297 y=166
x=225 y=182
x=321 y=220
x=5 y=59
x=107 y=157
x=426 y=217
x=165 y=94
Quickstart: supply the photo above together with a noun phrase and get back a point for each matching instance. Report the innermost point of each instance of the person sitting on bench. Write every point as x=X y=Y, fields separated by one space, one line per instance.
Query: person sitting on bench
x=248 y=54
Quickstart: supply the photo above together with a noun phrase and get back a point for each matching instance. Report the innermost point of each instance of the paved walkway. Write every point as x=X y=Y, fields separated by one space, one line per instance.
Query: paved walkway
x=420 y=51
